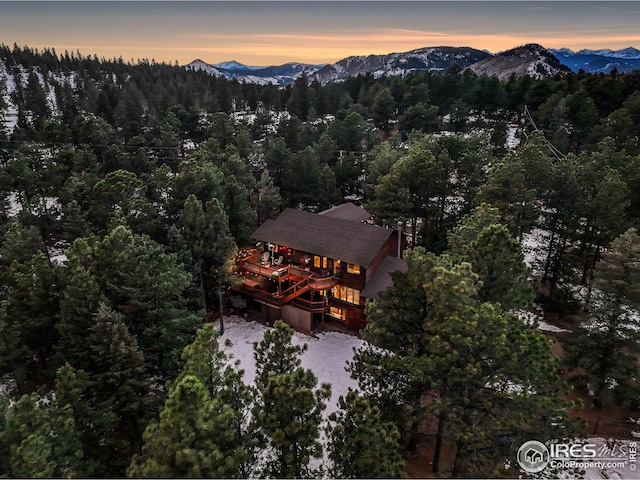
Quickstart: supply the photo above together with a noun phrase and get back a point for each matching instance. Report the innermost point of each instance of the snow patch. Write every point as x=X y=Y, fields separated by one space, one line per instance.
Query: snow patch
x=532 y=318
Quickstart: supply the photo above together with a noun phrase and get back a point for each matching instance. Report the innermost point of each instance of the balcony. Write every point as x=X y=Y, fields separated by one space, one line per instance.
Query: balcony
x=278 y=285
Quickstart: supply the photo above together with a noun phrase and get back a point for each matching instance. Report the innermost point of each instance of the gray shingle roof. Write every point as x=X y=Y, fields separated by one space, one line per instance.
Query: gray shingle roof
x=381 y=279
x=336 y=238
x=348 y=211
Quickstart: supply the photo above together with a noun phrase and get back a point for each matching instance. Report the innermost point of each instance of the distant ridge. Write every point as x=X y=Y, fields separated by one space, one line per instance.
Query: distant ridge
x=422 y=59
x=278 y=75
x=600 y=61
x=531 y=59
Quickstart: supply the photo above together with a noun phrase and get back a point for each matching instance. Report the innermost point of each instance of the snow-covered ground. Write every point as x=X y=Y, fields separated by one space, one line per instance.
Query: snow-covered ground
x=534 y=245
x=327 y=354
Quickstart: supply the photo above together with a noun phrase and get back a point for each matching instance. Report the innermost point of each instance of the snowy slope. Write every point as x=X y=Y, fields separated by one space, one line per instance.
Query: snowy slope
x=422 y=59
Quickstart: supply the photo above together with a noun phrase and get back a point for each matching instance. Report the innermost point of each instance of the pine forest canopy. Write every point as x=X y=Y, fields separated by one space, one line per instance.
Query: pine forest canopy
x=127 y=190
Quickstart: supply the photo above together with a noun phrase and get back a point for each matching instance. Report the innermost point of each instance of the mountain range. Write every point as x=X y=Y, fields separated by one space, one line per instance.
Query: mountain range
x=531 y=59
x=600 y=61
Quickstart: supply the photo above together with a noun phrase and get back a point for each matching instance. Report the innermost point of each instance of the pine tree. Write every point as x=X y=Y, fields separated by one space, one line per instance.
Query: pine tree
x=192 y=438
x=275 y=354
x=29 y=308
x=495 y=256
x=198 y=235
x=149 y=292
x=361 y=444
x=436 y=351
x=223 y=379
x=95 y=422
x=80 y=298
x=41 y=438
x=221 y=250
x=608 y=339
x=118 y=373
x=288 y=410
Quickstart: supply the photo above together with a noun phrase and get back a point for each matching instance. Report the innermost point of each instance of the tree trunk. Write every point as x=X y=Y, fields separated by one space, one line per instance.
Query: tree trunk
x=204 y=297
x=596 y=258
x=547 y=263
x=221 y=307
x=456 y=462
x=436 y=454
x=413 y=436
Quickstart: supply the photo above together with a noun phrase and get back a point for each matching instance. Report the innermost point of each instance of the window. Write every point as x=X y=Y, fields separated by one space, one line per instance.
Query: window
x=347 y=294
x=319 y=262
x=336 y=267
x=353 y=268
x=338 y=313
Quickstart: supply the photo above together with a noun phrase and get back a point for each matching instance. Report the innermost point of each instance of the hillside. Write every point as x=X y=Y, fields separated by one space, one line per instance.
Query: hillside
x=531 y=59
x=437 y=59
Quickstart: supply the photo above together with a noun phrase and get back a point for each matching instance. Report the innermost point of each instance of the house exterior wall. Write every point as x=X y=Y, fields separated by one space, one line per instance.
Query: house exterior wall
x=355 y=317
x=299 y=319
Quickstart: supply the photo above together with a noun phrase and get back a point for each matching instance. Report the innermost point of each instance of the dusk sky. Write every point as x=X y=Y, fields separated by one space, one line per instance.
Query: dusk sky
x=270 y=33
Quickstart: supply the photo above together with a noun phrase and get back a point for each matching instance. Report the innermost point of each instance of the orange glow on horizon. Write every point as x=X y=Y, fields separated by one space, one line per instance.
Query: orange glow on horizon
x=276 y=32
x=273 y=49
x=327 y=47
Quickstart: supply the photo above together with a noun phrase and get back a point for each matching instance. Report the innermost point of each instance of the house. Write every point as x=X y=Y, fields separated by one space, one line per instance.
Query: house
x=317 y=267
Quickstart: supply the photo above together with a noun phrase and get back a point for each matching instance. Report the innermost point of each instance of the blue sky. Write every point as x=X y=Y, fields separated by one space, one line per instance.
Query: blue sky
x=268 y=32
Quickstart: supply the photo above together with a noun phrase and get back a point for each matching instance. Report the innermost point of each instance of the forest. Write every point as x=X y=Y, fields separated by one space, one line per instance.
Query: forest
x=128 y=188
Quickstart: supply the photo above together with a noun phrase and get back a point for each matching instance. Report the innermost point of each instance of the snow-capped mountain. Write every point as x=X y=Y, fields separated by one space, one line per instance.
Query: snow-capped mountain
x=628 y=52
x=278 y=75
x=531 y=59
x=206 y=67
x=234 y=65
x=600 y=61
x=426 y=59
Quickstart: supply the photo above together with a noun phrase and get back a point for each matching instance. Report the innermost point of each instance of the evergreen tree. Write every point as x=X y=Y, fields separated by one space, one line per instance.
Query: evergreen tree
x=361 y=444
x=498 y=259
x=288 y=411
x=221 y=250
x=222 y=378
x=507 y=190
x=118 y=373
x=149 y=292
x=495 y=256
x=193 y=437
x=39 y=439
x=79 y=301
x=608 y=339
x=275 y=354
x=435 y=349
x=95 y=423
x=266 y=197
x=29 y=310
x=383 y=108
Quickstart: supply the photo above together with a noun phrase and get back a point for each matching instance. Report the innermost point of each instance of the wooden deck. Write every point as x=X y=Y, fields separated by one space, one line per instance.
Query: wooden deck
x=282 y=284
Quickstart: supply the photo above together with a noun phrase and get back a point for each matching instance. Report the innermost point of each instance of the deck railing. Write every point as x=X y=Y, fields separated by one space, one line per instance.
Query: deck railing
x=310 y=281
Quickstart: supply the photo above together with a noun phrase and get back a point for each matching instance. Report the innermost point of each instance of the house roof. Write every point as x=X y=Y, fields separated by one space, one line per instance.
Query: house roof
x=348 y=211
x=381 y=279
x=325 y=235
